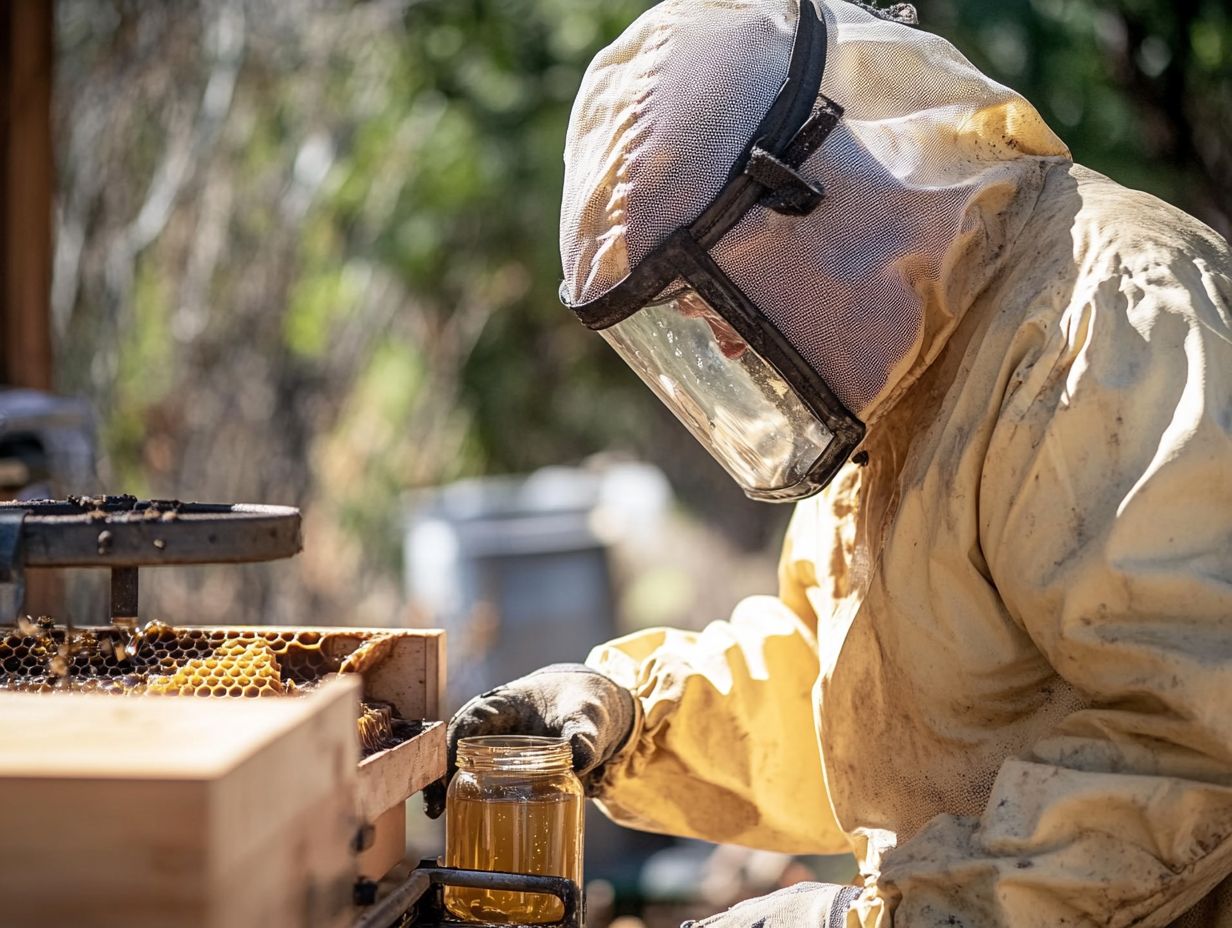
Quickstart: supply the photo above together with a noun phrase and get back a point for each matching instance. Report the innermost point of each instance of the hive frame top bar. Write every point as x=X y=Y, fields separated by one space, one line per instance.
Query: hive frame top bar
x=122 y=531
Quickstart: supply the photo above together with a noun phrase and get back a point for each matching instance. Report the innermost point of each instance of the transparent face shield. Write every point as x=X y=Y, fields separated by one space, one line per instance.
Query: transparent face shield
x=706 y=350
x=728 y=396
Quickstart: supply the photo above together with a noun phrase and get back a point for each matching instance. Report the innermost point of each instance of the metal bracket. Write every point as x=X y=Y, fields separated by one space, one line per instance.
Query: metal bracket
x=12 y=575
x=421 y=893
x=124 y=596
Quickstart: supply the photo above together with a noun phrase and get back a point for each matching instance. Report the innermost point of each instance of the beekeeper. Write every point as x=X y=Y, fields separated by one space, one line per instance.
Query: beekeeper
x=999 y=667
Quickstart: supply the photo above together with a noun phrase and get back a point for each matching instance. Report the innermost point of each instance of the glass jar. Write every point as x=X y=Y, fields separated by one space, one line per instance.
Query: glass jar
x=514 y=805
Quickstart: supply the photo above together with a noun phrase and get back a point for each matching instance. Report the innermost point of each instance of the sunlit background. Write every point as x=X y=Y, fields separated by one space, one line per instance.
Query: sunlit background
x=306 y=253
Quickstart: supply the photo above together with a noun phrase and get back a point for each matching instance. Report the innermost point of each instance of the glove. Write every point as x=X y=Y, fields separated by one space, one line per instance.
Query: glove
x=569 y=701
x=804 y=905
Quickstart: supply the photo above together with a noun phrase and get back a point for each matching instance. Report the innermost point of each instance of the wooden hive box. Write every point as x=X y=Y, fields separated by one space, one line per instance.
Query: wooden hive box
x=197 y=813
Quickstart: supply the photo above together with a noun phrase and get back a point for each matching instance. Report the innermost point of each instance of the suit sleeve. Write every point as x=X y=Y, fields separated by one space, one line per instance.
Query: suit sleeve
x=725 y=745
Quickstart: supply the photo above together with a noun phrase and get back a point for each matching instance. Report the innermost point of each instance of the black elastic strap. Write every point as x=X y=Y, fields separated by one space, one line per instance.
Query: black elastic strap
x=787 y=192
x=821 y=122
x=791 y=109
x=794 y=100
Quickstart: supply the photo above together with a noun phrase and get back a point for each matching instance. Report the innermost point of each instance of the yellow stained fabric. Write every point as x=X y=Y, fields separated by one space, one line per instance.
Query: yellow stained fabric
x=1000 y=664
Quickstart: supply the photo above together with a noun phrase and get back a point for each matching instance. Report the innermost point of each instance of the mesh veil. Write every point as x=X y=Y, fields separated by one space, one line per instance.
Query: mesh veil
x=665 y=110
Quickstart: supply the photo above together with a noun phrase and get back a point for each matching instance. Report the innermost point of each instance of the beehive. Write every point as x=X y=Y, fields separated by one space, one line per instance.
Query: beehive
x=401 y=685
x=198 y=813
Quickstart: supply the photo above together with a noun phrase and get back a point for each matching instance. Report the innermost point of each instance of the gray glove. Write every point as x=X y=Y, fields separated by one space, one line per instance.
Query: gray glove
x=804 y=905
x=571 y=701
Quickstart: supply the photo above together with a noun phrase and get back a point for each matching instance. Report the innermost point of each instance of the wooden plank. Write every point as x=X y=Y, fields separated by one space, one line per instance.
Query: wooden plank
x=283 y=824
x=387 y=778
x=71 y=849
x=64 y=734
x=26 y=180
x=411 y=678
x=434 y=676
x=388 y=843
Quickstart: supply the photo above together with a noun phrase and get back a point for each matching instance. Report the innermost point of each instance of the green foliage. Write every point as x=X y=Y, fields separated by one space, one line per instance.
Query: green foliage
x=1141 y=90
x=473 y=118
x=144 y=371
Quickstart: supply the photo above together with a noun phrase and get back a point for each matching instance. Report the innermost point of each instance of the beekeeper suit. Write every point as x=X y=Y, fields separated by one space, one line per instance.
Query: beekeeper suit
x=999 y=667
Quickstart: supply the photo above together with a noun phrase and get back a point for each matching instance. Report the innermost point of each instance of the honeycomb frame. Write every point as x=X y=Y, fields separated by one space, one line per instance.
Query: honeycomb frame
x=399 y=667
x=164 y=659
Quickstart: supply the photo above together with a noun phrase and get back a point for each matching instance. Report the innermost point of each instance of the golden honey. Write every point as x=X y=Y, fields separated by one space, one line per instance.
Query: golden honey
x=515 y=806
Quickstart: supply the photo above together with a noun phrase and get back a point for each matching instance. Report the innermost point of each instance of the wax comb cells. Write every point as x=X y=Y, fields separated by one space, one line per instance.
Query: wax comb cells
x=235 y=668
x=159 y=658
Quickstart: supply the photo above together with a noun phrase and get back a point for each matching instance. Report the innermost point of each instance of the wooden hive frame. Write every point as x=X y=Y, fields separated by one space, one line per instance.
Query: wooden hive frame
x=411 y=677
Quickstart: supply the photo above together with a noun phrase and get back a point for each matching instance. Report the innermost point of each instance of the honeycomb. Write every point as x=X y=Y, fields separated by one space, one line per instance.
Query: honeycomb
x=236 y=668
x=160 y=659
x=380 y=728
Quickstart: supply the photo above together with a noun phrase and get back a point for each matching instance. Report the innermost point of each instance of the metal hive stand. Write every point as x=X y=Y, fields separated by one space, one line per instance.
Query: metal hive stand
x=123 y=533
x=418 y=900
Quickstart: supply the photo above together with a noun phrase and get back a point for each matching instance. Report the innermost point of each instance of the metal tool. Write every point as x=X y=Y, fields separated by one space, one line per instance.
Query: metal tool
x=123 y=533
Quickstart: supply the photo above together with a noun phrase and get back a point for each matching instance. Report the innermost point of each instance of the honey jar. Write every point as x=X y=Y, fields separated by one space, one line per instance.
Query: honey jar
x=514 y=805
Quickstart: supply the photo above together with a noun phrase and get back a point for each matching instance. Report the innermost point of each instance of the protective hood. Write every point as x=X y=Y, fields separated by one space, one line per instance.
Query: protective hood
x=665 y=111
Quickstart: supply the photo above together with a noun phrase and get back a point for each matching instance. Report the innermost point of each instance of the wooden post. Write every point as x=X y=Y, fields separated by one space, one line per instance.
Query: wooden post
x=26 y=177
x=26 y=181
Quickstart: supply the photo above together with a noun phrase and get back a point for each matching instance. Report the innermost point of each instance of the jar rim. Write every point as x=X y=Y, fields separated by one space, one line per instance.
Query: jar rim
x=523 y=753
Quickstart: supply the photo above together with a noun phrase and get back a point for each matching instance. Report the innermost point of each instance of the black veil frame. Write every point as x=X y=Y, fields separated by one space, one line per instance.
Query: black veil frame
x=798 y=109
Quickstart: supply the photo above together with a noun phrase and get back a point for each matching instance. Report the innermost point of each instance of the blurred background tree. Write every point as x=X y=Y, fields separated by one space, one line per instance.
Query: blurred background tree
x=1141 y=90
x=307 y=252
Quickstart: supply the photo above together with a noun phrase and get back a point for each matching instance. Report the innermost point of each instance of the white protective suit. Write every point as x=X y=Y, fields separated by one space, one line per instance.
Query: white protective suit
x=999 y=666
